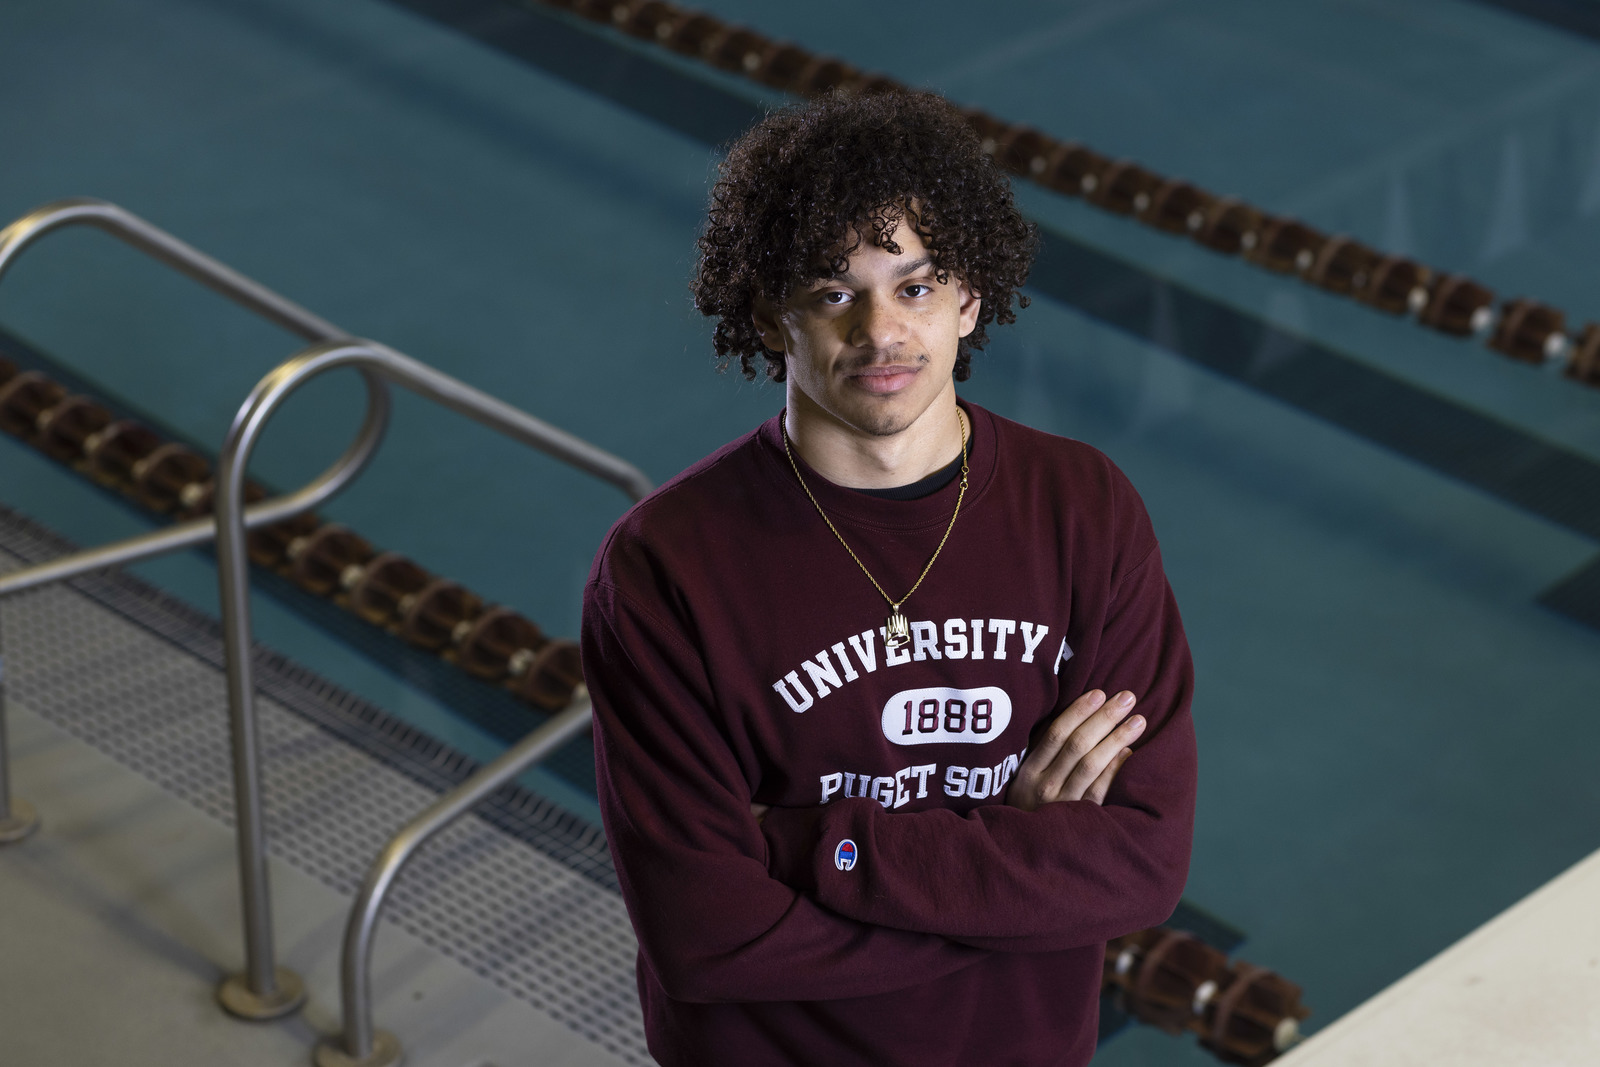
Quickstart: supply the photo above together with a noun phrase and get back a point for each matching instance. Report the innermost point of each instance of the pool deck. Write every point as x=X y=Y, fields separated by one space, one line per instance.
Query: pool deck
x=113 y=957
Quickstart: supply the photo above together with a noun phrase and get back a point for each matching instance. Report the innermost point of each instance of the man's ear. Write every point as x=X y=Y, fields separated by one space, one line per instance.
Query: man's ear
x=765 y=318
x=971 y=302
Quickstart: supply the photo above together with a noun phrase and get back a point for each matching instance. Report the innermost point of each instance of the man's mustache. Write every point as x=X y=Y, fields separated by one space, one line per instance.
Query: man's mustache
x=876 y=360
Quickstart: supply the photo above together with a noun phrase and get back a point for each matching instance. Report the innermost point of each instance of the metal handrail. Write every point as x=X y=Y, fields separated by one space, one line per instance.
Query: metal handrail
x=362 y=1044
x=249 y=294
x=282 y=991
x=160 y=245
x=233 y=569
x=263 y=990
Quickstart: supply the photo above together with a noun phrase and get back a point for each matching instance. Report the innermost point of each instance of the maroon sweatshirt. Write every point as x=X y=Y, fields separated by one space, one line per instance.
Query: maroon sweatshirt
x=890 y=909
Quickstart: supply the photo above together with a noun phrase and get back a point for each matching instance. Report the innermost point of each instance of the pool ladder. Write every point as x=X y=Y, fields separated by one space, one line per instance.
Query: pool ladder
x=264 y=990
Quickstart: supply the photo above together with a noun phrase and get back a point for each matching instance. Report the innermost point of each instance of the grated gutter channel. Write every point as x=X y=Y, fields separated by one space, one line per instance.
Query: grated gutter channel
x=521 y=892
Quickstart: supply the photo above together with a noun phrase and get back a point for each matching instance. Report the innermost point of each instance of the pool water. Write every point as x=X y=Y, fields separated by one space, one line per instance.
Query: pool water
x=1396 y=736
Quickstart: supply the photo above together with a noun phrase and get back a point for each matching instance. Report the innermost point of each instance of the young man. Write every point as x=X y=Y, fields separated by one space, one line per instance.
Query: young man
x=868 y=799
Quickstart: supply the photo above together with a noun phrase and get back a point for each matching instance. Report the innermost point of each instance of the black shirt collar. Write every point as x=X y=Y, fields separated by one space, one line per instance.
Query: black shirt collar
x=922 y=486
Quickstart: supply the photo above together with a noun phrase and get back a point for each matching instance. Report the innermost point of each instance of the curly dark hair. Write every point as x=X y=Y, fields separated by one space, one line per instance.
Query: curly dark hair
x=797 y=191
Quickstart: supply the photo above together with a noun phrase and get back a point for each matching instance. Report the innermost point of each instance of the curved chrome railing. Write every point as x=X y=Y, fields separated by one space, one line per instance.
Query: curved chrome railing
x=160 y=245
x=263 y=990
x=360 y=1043
x=270 y=991
x=233 y=564
x=246 y=292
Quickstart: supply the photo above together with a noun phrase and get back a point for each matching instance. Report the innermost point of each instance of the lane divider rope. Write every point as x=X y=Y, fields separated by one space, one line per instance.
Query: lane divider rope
x=1522 y=329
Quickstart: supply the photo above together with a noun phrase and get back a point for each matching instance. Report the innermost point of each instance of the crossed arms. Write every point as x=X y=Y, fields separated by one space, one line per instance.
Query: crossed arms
x=1092 y=843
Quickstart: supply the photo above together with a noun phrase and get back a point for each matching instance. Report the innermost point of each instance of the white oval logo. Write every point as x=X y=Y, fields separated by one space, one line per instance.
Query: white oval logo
x=938 y=715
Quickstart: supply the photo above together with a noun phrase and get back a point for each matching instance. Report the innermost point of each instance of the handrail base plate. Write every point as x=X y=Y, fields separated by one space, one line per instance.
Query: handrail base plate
x=242 y=1002
x=22 y=821
x=385 y=1052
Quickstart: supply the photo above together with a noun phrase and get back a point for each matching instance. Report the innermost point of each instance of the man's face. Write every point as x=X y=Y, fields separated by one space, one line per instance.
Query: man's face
x=874 y=347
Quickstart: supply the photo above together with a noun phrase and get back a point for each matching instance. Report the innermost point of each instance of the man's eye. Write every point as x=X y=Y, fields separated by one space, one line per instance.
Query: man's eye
x=834 y=296
x=916 y=289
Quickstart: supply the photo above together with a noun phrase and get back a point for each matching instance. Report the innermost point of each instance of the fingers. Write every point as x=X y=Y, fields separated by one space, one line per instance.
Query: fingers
x=1095 y=763
x=1076 y=750
x=1096 y=793
x=1060 y=732
x=1085 y=753
x=1029 y=788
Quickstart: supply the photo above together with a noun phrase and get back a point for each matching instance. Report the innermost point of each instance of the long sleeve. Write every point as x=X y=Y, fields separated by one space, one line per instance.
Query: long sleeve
x=735 y=652
x=713 y=924
x=1068 y=874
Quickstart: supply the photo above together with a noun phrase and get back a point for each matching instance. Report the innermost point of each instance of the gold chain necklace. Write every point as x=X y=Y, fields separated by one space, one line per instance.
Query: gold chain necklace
x=898 y=631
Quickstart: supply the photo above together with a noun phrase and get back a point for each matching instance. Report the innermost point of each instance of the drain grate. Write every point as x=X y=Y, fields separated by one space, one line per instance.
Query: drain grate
x=522 y=893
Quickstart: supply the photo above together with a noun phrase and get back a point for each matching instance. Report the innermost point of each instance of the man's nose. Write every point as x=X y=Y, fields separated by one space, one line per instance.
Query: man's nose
x=877 y=324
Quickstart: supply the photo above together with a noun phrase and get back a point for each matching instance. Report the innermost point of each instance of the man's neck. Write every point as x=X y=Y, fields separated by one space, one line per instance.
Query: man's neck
x=851 y=457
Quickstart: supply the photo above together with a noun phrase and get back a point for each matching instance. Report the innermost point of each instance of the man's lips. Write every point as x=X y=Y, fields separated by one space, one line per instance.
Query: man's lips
x=887 y=378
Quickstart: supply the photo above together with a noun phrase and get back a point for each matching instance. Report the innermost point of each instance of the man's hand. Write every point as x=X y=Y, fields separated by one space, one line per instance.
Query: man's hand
x=1079 y=754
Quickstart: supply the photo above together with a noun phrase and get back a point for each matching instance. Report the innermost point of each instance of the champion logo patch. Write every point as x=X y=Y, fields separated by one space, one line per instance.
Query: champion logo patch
x=844 y=855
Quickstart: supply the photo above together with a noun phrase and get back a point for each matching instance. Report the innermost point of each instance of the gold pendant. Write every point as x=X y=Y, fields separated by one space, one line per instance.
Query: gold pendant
x=898 y=632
